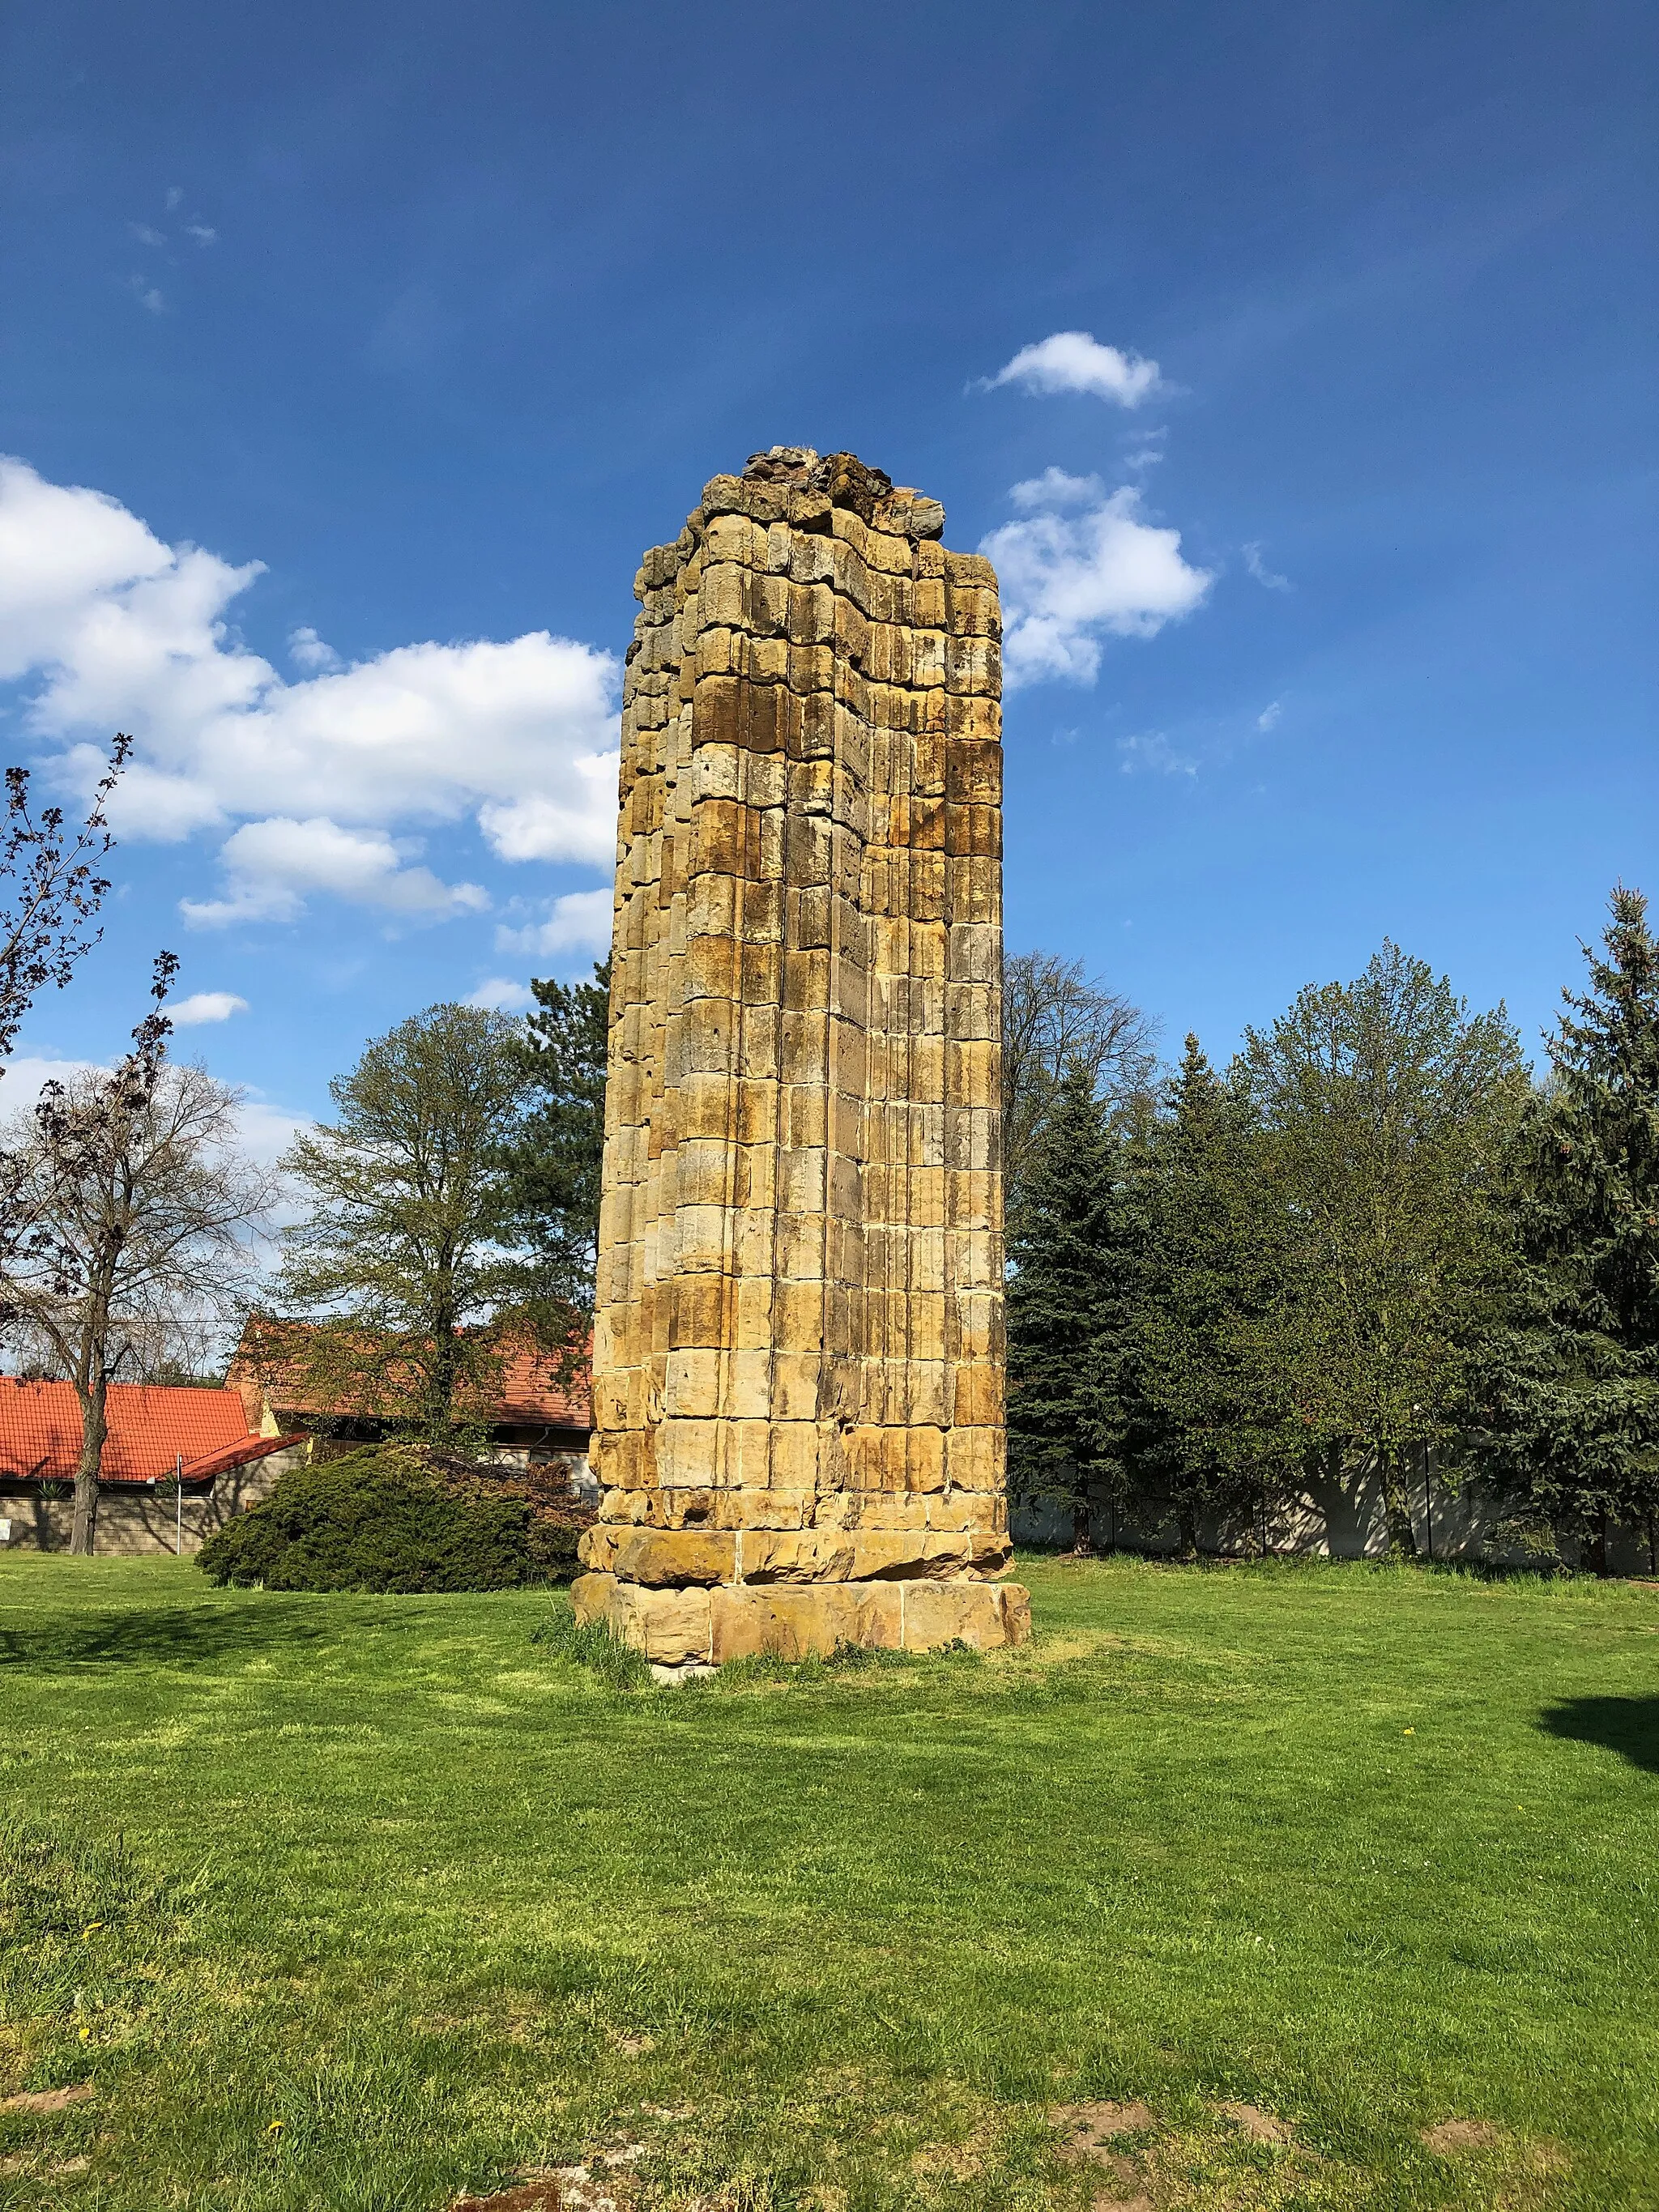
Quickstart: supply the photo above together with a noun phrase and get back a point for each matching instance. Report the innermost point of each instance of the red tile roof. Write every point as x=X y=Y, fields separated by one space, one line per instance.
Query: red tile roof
x=531 y=1394
x=150 y=1427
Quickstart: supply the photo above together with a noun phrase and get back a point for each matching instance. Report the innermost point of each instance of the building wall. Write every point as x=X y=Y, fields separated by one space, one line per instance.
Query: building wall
x=1328 y=1521
x=135 y=1523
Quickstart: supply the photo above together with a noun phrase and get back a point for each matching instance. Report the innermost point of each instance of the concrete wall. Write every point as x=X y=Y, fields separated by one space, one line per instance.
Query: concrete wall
x=1329 y=1520
x=135 y=1523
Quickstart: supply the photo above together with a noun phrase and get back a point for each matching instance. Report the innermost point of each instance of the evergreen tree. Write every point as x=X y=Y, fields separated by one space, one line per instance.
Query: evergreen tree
x=555 y=1164
x=1567 y=1406
x=1203 y=1387
x=1072 y=1250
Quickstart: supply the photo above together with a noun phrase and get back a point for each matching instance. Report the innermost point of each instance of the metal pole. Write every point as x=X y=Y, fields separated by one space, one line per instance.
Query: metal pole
x=178 y=1496
x=1428 y=1504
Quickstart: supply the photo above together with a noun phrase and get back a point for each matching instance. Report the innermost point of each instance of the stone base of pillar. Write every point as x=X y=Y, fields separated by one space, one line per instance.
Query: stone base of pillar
x=681 y=1628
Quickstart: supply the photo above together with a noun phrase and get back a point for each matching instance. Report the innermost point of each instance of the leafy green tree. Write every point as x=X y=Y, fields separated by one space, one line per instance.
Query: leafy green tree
x=402 y=1275
x=553 y=1165
x=1072 y=1247
x=1567 y=1406
x=1389 y=1111
x=1208 y=1415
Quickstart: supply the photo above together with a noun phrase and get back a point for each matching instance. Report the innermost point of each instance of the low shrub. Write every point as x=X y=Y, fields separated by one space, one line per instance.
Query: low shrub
x=379 y=1519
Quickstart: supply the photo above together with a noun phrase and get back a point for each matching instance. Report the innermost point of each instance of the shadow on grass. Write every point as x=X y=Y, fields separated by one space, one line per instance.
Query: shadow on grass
x=181 y=1636
x=1629 y=1726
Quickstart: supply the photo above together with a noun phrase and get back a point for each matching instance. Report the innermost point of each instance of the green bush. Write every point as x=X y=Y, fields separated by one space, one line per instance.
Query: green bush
x=376 y=1520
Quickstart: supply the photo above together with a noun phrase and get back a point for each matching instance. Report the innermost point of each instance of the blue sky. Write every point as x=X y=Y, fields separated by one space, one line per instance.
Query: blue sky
x=1338 y=622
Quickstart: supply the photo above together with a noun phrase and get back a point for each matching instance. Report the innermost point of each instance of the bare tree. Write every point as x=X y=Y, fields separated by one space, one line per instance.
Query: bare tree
x=1054 y=1017
x=130 y=1204
x=56 y=890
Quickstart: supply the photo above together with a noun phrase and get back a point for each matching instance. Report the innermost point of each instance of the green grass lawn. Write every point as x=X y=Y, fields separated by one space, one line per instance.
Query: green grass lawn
x=1365 y=1850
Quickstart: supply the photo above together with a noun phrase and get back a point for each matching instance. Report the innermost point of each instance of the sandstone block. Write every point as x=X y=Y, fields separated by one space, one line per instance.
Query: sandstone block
x=987 y=1615
x=659 y=1557
x=791 y=1621
x=671 y=1627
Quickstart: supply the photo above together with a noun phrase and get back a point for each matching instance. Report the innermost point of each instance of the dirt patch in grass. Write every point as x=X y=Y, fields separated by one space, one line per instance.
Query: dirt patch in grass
x=1261 y=2127
x=45 y=2100
x=591 y=2186
x=1450 y=2136
x=1088 y=2131
x=528 y=2196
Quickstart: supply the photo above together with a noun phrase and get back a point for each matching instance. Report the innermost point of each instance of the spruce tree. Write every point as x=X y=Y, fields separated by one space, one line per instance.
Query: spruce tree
x=1567 y=1406
x=1073 y=1251
x=554 y=1166
x=1203 y=1387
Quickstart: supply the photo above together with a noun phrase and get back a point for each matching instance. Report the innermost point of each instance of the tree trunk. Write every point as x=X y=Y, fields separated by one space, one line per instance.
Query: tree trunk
x=1397 y=1506
x=93 y=1429
x=1599 y=1548
x=1187 y=1527
x=1082 y=1539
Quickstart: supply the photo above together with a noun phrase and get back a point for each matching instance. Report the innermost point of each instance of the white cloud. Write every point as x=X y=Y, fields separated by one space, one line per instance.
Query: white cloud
x=147 y=296
x=1072 y=361
x=499 y=995
x=1069 y=579
x=116 y=630
x=1259 y=568
x=175 y=196
x=580 y=920
x=1269 y=715
x=1054 y=488
x=269 y=865
x=307 y=650
x=202 y=232
x=1152 y=753
x=145 y=235
x=206 y=1006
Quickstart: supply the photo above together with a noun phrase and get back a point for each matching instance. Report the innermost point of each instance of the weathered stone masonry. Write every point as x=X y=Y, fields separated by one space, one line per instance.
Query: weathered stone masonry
x=799 y=1352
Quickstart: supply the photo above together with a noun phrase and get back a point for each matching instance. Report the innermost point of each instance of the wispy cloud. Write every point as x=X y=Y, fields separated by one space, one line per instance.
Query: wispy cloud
x=1268 y=718
x=147 y=296
x=1263 y=575
x=579 y=920
x=1151 y=753
x=499 y=995
x=145 y=235
x=1055 y=490
x=202 y=232
x=271 y=865
x=206 y=1006
x=1074 y=360
x=308 y=651
x=175 y=196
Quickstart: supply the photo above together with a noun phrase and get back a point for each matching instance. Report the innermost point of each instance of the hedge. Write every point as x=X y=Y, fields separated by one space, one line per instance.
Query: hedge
x=381 y=1520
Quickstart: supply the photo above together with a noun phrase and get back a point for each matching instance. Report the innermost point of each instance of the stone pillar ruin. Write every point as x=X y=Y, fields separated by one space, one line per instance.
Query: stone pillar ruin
x=797 y=1365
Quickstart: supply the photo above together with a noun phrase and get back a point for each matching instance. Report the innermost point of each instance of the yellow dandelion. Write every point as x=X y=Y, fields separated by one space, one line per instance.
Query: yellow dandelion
x=275 y=2128
x=88 y=1933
